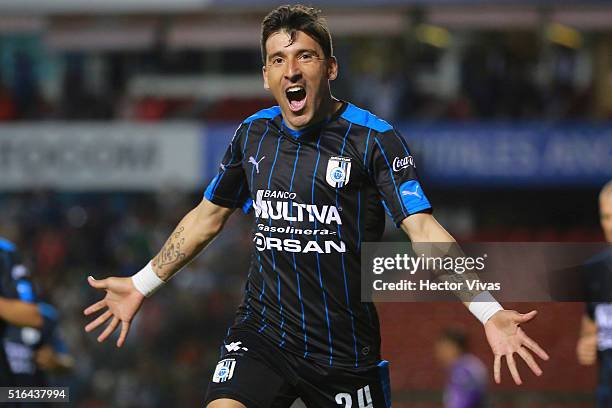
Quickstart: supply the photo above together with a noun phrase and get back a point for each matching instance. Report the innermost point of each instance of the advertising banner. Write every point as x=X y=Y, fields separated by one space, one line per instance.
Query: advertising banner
x=94 y=157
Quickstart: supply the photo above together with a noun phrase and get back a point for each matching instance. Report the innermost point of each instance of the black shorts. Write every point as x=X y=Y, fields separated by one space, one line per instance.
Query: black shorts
x=261 y=375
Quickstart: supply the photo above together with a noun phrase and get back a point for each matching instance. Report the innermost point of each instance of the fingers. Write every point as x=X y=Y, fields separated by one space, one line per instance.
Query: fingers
x=497 y=369
x=101 y=319
x=587 y=358
x=586 y=350
x=109 y=330
x=530 y=361
x=98 y=284
x=125 y=327
x=513 y=370
x=533 y=346
x=94 y=308
x=524 y=318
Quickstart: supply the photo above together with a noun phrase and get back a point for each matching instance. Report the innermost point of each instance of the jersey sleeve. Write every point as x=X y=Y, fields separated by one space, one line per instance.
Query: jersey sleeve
x=19 y=285
x=393 y=170
x=229 y=187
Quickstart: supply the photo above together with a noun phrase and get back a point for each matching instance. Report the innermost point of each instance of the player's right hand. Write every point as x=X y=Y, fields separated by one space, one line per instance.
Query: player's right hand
x=121 y=303
x=586 y=349
x=506 y=337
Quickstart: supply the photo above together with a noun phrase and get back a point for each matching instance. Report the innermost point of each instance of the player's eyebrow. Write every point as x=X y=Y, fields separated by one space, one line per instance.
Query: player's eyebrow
x=300 y=51
x=276 y=54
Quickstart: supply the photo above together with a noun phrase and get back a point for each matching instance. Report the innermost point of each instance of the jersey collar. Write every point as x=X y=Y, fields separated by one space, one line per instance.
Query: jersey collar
x=312 y=130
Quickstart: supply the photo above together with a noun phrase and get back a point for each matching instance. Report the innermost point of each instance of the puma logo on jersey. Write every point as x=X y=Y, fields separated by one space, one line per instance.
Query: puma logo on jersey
x=412 y=193
x=413 y=196
x=255 y=162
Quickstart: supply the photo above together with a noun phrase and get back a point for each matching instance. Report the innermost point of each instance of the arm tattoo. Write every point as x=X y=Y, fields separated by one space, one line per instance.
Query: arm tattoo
x=464 y=294
x=172 y=251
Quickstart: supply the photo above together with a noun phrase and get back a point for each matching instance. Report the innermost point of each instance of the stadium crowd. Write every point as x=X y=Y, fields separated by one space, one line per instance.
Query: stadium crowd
x=67 y=237
x=399 y=81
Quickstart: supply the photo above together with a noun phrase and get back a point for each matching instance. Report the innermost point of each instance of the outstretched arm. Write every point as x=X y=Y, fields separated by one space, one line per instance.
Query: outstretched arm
x=502 y=329
x=20 y=313
x=195 y=231
x=123 y=300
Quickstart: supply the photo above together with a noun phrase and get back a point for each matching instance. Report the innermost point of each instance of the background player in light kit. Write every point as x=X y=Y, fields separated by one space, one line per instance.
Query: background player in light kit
x=595 y=342
x=302 y=328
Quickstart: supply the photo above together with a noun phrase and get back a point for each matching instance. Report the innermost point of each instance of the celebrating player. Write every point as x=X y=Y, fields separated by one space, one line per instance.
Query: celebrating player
x=319 y=174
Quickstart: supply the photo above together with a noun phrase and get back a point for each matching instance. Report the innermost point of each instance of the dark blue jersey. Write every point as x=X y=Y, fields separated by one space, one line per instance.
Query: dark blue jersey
x=317 y=195
x=19 y=344
x=14 y=284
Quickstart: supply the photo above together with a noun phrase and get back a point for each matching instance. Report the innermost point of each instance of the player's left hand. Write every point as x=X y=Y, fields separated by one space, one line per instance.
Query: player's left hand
x=506 y=337
x=121 y=303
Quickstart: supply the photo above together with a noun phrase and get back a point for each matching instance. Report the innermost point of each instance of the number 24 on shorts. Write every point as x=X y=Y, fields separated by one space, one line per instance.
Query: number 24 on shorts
x=364 y=398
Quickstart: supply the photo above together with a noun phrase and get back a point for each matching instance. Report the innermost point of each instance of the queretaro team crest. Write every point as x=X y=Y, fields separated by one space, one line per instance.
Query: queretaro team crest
x=338 y=171
x=224 y=370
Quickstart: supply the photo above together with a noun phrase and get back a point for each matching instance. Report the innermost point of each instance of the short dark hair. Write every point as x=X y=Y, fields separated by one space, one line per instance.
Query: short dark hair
x=457 y=337
x=294 y=18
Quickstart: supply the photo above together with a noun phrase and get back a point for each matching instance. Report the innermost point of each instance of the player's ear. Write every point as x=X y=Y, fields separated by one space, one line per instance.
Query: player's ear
x=332 y=68
x=264 y=72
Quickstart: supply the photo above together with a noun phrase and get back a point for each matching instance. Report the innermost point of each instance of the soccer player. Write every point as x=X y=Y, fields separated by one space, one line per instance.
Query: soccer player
x=319 y=174
x=29 y=342
x=595 y=342
x=16 y=309
x=467 y=376
x=33 y=352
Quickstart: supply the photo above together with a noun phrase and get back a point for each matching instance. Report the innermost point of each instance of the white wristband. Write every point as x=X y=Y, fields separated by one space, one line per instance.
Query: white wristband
x=484 y=306
x=146 y=280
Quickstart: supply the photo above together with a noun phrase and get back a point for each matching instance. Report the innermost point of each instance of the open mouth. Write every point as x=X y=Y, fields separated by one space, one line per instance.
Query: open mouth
x=296 y=95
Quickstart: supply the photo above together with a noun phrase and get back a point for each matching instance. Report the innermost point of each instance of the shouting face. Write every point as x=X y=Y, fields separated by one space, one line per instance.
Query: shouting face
x=298 y=74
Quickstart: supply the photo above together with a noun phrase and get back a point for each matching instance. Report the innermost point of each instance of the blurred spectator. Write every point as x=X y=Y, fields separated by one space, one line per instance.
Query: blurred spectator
x=466 y=386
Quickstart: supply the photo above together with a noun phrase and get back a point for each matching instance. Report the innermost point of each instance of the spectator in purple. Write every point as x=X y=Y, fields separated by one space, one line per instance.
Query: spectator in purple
x=466 y=386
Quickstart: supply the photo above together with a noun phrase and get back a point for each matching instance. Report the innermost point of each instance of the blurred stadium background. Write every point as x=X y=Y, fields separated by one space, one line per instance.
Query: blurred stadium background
x=115 y=114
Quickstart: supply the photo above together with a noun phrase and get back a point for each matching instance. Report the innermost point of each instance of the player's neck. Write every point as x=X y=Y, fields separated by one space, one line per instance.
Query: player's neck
x=330 y=106
x=327 y=109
